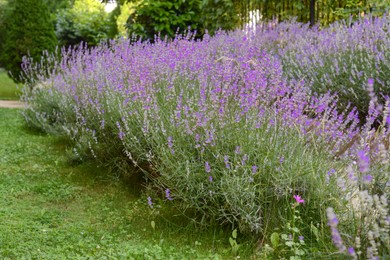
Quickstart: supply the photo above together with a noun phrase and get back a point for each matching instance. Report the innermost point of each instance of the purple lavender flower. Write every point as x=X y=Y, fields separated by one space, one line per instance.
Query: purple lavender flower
x=170 y=144
x=254 y=169
x=334 y=221
x=351 y=175
x=170 y=141
x=210 y=178
x=244 y=159
x=336 y=238
x=363 y=161
x=226 y=160
x=281 y=159
x=367 y=178
x=301 y=238
x=351 y=251
x=237 y=150
x=150 y=203
x=168 y=194
x=331 y=172
x=370 y=81
x=207 y=167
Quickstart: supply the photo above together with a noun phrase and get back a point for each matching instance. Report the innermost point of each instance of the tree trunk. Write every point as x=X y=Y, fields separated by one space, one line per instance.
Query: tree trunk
x=312 y=12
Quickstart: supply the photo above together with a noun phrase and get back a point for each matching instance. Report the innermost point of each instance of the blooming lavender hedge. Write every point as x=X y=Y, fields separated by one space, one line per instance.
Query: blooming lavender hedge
x=340 y=58
x=218 y=127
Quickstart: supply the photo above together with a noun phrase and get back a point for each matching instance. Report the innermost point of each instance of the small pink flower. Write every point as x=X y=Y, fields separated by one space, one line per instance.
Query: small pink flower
x=298 y=199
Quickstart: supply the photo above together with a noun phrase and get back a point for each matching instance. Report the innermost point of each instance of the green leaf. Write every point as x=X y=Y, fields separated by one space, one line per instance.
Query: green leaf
x=234 y=234
x=289 y=243
x=275 y=239
x=232 y=242
x=153 y=224
x=299 y=251
x=314 y=230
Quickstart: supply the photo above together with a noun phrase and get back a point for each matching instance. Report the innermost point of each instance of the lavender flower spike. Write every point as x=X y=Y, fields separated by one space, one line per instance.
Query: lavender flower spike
x=363 y=161
x=333 y=222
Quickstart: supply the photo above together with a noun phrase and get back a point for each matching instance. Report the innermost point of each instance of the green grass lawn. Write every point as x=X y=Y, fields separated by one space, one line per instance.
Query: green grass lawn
x=51 y=210
x=8 y=89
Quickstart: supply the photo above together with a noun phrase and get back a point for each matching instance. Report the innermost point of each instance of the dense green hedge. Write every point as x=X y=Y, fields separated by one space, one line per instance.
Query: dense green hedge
x=29 y=31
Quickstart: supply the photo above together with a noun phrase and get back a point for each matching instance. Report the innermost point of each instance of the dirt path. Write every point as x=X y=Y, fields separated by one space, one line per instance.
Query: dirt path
x=11 y=104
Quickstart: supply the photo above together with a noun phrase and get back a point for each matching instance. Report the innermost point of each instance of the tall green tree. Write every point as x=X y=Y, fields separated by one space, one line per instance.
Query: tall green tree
x=4 y=9
x=29 y=31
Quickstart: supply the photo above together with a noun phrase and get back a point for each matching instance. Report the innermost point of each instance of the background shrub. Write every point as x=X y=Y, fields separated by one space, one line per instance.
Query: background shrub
x=163 y=17
x=28 y=32
x=85 y=21
x=167 y=18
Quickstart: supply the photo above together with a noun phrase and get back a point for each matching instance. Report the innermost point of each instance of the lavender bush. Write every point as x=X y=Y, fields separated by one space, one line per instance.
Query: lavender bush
x=340 y=58
x=215 y=126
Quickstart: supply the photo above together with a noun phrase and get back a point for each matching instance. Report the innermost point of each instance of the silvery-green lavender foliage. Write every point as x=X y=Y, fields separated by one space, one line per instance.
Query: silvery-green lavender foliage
x=213 y=121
